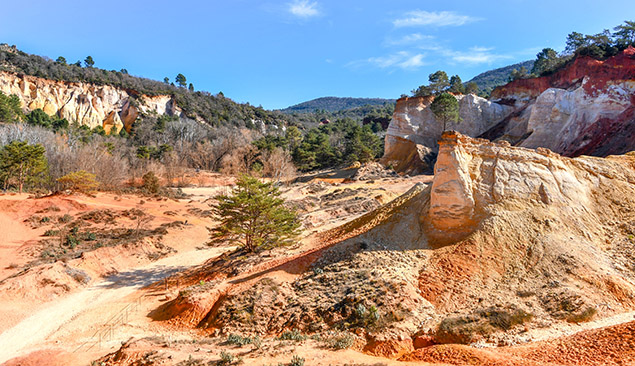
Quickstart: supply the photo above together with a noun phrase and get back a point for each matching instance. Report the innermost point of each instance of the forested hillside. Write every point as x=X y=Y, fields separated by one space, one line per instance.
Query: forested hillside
x=335 y=104
x=489 y=80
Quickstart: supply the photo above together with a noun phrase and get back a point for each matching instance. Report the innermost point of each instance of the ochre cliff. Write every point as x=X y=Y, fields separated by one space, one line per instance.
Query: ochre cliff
x=86 y=104
x=587 y=107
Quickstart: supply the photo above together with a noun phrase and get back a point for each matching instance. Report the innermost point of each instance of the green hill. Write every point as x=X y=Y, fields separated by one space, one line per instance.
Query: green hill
x=488 y=80
x=335 y=104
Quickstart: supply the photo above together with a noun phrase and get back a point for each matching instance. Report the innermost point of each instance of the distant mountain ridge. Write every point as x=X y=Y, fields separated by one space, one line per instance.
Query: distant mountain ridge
x=489 y=80
x=335 y=104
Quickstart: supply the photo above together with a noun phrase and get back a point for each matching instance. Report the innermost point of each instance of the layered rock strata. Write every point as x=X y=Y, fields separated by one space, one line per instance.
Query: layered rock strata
x=86 y=104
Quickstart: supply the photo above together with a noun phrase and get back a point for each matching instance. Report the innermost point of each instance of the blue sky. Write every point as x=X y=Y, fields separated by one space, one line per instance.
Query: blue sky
x=279 y=53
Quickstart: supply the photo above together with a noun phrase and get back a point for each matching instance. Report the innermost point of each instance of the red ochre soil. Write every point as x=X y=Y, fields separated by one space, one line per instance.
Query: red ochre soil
x=613 y=345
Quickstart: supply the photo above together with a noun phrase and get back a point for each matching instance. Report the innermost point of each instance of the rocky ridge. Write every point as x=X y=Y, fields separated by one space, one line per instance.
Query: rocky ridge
x=86 y=104
x=588 y=107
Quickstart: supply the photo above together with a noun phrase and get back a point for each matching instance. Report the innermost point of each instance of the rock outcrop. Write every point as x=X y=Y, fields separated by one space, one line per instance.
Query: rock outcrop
x=411 y=138
x=86 y=104
x=588 y=107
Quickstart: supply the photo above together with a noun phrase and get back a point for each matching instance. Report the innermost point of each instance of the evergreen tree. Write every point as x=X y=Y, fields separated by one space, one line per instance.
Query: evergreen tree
x=181 y=80
x=518 y=74
x=254 y=216
x=546 y=60
x=625 y=34
x=38 y=117
x=61 y=60
x=445 y=108
x=89 y=62
x=80 y=181
x=456 y=85
x=575 y=41
x=191 y=87
x=22 y=163
x=439 y=82
x=361 y=145
x=471 y=88
x=293 y=136
x=10 y=109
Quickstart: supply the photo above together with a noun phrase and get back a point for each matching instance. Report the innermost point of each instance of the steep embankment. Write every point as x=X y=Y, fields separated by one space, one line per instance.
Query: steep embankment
x=588 y=107
x=87 y=104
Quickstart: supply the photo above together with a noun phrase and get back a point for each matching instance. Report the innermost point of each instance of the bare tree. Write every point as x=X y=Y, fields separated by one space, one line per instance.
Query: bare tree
x=278 y=165
x=240 y=160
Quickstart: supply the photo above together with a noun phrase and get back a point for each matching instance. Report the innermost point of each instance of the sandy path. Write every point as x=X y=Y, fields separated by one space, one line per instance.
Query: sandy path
x=35 y=329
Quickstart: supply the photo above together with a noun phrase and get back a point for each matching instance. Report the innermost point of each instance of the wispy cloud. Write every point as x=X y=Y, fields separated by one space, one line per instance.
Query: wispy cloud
x=303 y=8
x=408 y=39
x=402 y=60
x=475 y=55
x=437 y=19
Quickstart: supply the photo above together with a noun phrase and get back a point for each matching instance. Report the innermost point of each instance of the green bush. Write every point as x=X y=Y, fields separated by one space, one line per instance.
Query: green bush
x=72 y=241
x=340 y=341
x=296 y=361
x=292 y=335
x=51 y=233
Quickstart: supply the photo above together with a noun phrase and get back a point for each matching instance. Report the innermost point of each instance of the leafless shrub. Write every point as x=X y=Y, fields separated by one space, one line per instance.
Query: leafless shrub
x=240 y=160
x=277 y=164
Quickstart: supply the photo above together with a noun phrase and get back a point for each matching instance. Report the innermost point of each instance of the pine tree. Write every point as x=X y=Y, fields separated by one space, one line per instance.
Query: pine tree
x=446 y=108
x=22 y=163
x=254 y=216
x=89 y=62
x=181 y=80
x=10 y=108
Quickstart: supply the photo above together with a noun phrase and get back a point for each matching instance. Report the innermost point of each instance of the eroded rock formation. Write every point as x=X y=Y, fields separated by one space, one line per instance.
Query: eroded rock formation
x=411 y=138
x=502 y=231
x=87 y=104
x=586 y=108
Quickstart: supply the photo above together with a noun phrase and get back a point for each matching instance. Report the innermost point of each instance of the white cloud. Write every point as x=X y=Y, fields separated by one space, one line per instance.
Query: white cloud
x=412 y=62
x=475 y=55
x=438 y=19
x=408 y=39
x=304 y=8
x=404 y=60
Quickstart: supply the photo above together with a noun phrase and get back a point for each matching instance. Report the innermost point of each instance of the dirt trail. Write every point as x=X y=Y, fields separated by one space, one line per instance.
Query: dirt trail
x=37 y=328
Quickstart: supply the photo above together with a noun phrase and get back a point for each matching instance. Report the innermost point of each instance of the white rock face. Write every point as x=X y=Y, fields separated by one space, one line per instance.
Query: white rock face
x=413 y=120
x=87 y=104
x=571 y=122
x=414 y=126
x=559 y=117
